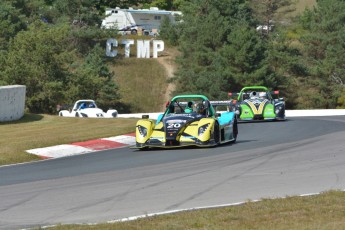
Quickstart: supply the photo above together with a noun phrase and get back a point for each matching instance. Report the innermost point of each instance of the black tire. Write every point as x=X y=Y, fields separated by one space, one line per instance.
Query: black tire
x=77 y=114
x=216 y=134
x=284 y=117
x=235 y=131
x=134 y=32
x=143 y=149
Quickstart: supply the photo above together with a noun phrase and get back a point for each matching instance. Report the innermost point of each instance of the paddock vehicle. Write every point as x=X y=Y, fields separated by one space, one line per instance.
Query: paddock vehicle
x=87 y=108
x=189 y=120
x=257 y=103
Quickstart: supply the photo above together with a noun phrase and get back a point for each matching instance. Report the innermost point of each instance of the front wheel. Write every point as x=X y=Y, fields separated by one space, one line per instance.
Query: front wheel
x=216 y=134
x=234 y=131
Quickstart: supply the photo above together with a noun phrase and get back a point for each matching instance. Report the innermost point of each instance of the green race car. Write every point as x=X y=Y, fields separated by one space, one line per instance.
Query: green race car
x=257 y=103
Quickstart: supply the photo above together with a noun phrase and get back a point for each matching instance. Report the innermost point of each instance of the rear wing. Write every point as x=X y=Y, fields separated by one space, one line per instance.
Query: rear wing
x=235 y=95
x=221 y=105
x=213 y=103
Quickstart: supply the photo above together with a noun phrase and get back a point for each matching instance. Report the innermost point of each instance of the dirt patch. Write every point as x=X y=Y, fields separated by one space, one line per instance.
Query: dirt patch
x=167 y=60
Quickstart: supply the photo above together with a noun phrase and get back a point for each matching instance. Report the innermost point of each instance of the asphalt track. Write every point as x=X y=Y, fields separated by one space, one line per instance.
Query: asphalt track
x=270 y=159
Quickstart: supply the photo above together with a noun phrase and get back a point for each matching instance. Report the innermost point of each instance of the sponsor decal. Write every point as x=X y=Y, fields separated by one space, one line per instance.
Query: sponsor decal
x=176 y=121
x=181 y=115
x=256 y=105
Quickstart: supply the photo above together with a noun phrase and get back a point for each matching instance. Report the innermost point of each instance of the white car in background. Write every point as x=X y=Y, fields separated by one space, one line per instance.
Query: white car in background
x=87 y=108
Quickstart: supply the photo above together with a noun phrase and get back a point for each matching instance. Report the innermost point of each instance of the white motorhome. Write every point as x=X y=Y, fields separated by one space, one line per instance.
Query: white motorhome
x=130 y=20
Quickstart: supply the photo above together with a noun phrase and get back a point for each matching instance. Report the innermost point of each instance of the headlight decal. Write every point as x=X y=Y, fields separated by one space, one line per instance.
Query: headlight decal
x=202 y=129
x=142 y=130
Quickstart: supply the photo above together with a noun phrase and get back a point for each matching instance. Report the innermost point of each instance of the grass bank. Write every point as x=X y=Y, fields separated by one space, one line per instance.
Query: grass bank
x=324 y=211
x=143 y=82
x=36 y=131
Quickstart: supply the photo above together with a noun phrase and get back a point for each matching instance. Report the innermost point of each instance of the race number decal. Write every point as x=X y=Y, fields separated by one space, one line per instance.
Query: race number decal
x=173 y=125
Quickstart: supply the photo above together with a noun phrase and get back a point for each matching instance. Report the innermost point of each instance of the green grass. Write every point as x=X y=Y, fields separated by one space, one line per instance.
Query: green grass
x=36 y=131
x=142 y=84
x=324 y=211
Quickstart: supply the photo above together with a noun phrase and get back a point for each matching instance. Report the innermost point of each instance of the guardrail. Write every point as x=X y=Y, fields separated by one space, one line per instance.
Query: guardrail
x=288 y=113
x=315 y=112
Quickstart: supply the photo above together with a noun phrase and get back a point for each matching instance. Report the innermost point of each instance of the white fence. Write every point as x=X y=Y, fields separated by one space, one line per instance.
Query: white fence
x=12 y=102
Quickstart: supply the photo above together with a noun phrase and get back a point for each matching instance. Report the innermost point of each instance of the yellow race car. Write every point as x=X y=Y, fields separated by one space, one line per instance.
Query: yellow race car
x=189 y=120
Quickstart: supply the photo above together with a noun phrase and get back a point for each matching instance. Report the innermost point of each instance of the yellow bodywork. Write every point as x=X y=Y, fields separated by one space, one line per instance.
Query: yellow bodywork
x=148 y=124
x=187 y=135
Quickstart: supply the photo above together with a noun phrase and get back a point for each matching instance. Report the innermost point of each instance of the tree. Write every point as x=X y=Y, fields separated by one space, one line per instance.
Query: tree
x=92 y=79
x=341 y=100
x=245 y=58
x=103 y=4
x=324 y=52
x=268 y=12
x=167 y=4
x=11 y=22
x=220 y=49
x=55 y=53
x=36 y=58
x=54 y=72
x=169 y=32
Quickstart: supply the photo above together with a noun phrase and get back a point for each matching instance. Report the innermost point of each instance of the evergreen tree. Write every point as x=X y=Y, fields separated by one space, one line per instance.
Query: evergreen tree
x=58 y=53
x=324 y=50
x=36 y=58
x=11 y=22
x=220 y=49
x=245 y=58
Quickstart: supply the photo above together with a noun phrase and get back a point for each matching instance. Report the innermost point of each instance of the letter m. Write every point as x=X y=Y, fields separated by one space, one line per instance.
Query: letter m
x=143 y=48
